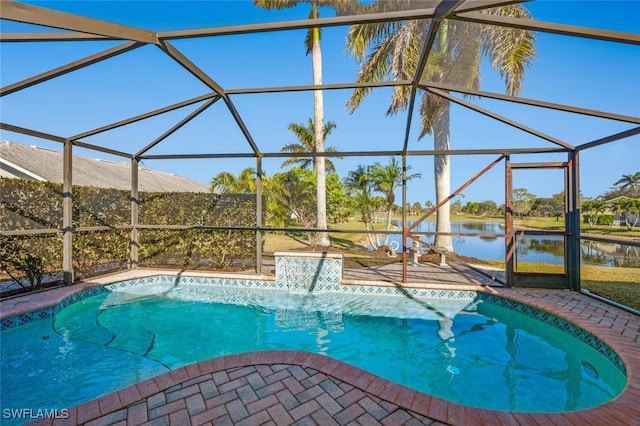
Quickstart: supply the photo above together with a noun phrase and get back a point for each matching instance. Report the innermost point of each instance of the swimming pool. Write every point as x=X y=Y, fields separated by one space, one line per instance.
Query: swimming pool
x=434 y=341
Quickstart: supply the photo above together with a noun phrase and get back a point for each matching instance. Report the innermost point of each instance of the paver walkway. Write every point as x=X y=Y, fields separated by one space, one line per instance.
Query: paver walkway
x=257 y=394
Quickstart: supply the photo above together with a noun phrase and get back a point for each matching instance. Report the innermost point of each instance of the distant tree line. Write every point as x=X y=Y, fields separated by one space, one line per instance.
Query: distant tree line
x=290 y=196
x=368 y=192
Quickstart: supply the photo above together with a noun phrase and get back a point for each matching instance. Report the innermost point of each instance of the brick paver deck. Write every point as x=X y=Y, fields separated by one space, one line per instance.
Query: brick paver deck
x=289 y=387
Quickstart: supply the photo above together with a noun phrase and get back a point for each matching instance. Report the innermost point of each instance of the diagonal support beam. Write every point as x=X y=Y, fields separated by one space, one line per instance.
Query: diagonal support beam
x=611 y=138
x=336 y=21
x=73 y=66
x=533 y=102
x=173 y=129
x=204 y=77
x=26 y=13
x=498 y=117
x=369 y=18
x=547 y=27
x=142 y=117
x=456 y=192
x=29 y=132
x=186 y=63
x=243 y=127
x=301 y=24
x=31 y=37
x=101 y=149
x=443 y=9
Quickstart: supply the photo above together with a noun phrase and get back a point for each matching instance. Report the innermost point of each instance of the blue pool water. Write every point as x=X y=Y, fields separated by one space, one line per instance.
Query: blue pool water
x=463 y=350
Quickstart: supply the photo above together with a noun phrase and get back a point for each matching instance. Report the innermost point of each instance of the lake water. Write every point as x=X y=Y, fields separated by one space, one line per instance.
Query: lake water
x=534 y=248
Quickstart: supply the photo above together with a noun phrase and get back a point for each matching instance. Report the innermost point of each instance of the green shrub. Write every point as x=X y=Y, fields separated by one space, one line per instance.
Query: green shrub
x=603 y=219
x=28 y=260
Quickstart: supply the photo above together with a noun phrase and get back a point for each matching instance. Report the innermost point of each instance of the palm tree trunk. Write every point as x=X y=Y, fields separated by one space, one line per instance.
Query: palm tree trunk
x=386 y=237
x=373 y=240
x=442 y=172
x=322 y=238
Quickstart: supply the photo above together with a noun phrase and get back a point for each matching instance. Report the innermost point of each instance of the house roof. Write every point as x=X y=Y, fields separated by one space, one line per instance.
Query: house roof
x=35 y=163
x=611 y=200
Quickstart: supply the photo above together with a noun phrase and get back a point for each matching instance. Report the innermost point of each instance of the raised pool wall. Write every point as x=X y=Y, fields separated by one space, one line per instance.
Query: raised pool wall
x=307 y=272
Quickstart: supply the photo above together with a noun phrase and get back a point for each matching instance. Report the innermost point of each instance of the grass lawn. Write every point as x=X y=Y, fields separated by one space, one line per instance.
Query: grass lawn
x=627 y=294
x=339 y=240
x=551 y=224
x=621 y=285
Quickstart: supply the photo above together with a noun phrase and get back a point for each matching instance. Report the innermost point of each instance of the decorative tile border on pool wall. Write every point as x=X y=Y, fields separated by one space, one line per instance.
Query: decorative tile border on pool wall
x=171 y=281
x=307 y=271
x=563 y=325
x=168 y=280
x=27 y=318
x=49 y=311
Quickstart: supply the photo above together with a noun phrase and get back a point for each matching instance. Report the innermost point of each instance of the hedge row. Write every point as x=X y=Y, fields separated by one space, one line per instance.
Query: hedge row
x=32 y=260
x=603 y=219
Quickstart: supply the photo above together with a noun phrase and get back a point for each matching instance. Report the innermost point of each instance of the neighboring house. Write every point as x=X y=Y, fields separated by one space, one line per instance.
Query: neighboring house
x=612 y=201
x=611 y=209
x=43 y=164
x=618 y=217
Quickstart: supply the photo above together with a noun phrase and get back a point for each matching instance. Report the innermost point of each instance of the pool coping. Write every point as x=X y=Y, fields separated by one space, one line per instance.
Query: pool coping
x=615 y=327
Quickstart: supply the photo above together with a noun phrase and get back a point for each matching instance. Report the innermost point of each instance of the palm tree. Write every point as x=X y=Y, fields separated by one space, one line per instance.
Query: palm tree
x=630 y=208
x=306 y=136
x=592 y=210
x=228 y=183
x=294 y=191
x=361 y=185
x=392 y=50
x=312 y=43
x=416 y=207
x=630 y=181
x=387 y=179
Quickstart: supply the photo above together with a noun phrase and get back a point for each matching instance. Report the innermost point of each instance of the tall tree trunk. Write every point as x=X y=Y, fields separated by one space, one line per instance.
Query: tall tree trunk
x=442 y=172
x=373 y=240
x=322 y=238
x=386 y=237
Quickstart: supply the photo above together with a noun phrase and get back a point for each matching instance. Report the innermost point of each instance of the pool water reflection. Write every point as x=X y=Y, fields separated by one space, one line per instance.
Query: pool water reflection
x=542 y=249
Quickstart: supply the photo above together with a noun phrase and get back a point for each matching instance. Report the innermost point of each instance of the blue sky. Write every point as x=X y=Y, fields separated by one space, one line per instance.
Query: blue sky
x=568 y=70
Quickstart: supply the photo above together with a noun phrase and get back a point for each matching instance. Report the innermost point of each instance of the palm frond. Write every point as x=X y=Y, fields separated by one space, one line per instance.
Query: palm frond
x=276 y=4
x=430 y=105
x=303 y=163
x=511 y=50
x=305 y=133
x=294 y=147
